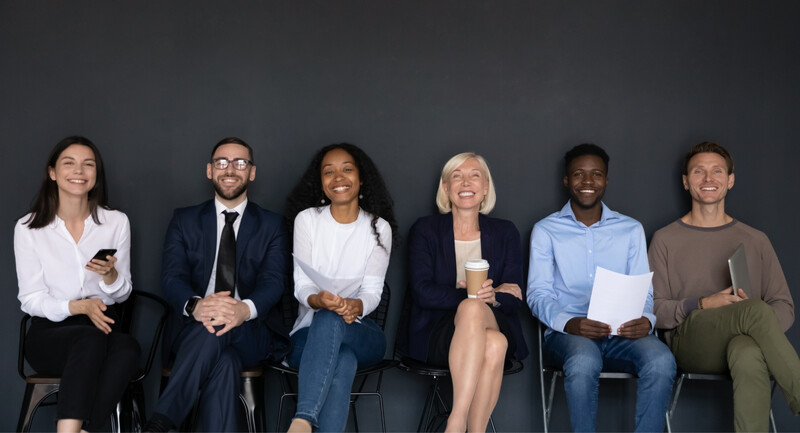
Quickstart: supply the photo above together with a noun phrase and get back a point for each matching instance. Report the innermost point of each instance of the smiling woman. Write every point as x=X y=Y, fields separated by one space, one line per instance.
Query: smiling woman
x=73 y=332
x=474 y=337
x=343 y=227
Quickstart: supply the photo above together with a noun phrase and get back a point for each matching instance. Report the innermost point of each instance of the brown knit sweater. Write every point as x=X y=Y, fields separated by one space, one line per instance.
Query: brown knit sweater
x=689 y=262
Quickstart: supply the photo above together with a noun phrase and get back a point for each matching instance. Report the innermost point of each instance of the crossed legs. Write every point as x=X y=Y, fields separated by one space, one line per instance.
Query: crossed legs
x=477 y=356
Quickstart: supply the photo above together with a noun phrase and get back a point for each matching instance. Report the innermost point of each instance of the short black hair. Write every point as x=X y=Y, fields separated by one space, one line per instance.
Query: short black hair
x=234 y=140
x=584 y=149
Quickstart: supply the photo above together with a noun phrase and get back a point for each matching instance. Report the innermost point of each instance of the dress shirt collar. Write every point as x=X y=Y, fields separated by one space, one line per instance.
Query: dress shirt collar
x=88 y=222
x=608 y=214
x=221 y=207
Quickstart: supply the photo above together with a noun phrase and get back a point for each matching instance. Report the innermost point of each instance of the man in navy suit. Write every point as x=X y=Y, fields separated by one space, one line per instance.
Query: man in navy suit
x=224 y=313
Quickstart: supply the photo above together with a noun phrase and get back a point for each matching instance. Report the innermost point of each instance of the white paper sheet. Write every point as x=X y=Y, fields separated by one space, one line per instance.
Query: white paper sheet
x=618 y=298
x=344 y=287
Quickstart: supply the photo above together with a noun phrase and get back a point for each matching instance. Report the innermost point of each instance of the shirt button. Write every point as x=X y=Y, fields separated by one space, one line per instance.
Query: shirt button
x=590 y=251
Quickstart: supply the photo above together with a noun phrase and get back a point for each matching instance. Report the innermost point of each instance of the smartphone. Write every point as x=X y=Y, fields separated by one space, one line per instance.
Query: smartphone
x=101 y=255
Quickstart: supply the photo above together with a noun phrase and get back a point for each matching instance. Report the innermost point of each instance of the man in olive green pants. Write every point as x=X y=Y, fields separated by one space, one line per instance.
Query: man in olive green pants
x=710 y=327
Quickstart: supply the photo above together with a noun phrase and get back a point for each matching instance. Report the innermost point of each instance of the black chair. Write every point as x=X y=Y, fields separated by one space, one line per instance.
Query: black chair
x=289 y=375
x=129 y=414
x=436 y=410
x=555 y=372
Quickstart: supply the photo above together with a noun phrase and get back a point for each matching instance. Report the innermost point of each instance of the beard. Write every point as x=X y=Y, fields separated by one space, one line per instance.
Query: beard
x=231 y=194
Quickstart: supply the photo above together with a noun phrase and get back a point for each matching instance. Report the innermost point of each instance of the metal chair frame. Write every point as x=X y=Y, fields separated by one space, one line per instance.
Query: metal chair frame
x=683 y=375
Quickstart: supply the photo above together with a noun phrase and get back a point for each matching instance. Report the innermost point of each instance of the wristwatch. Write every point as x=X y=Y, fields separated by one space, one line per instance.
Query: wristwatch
x=191 y=304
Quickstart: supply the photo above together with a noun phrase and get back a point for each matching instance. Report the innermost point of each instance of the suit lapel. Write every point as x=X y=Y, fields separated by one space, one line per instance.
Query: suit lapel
x=246 y=230
x=209 y=226
x=449 y=245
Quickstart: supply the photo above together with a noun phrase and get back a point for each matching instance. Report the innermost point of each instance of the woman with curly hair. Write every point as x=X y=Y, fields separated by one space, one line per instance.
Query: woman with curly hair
x=343 y=226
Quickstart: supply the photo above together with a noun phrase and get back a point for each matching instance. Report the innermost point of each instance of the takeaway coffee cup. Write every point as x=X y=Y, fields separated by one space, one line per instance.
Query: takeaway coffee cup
x=477 y=272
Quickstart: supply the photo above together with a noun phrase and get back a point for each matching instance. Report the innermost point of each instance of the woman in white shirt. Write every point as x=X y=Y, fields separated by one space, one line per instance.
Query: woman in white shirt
x=343 y=230
x=70 y=294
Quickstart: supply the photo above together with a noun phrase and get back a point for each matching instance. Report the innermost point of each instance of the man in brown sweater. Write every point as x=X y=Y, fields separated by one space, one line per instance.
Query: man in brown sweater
x=711 y=327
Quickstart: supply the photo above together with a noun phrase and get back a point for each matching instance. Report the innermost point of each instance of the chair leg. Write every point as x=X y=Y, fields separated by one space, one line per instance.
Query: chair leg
x=428 y=407
x=35 y=394
x=551 y=395
x=252 y=399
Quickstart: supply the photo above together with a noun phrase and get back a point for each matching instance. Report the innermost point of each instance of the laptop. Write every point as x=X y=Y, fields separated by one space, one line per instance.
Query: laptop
x=740 y=276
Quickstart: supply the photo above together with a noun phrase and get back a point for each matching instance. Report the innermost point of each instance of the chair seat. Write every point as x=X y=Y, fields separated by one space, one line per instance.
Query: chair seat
x=39 y=379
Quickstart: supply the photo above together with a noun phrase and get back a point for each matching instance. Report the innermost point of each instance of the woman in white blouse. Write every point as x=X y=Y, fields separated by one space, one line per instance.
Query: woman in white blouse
x=70 y=293
x=343 y=227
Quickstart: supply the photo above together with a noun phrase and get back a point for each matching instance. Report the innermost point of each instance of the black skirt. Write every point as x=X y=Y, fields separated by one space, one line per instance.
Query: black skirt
x=442 y=335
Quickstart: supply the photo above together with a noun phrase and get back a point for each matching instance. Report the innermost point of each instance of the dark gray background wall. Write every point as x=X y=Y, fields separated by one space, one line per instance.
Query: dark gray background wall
x=156 y=84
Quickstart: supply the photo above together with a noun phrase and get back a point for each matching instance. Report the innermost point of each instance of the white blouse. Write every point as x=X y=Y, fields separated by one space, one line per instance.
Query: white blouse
x=339 y=251
x=51 y=266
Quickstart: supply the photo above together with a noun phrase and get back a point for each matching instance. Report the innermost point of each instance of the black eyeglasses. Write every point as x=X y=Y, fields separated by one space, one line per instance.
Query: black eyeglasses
x=238 y=163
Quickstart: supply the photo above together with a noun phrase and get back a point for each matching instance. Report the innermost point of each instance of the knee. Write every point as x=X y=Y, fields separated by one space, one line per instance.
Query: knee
x=327 y=319
x=661 y=365
x=230 y=359
x=756 y=309
x=745 y=356
x=496 y=346
x=91 y=340
x=469 y=309
x=583 y=364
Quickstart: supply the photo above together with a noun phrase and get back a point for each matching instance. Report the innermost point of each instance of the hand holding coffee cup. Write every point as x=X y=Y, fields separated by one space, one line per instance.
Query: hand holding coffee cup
x=477 y=272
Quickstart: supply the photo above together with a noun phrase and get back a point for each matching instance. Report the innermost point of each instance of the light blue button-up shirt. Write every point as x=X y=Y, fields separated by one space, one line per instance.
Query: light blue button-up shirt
x=565 y=255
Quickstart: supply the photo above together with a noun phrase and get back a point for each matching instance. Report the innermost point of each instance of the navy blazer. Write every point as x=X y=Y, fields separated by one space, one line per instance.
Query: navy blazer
x=432 y=272
x=262 y=259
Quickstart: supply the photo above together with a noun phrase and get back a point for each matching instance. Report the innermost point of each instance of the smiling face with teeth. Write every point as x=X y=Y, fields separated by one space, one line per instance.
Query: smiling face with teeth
x=586 y=181
x=467 y=186
x=707 y=179
x=341 y=182
x=75 y=171
x=230 y=184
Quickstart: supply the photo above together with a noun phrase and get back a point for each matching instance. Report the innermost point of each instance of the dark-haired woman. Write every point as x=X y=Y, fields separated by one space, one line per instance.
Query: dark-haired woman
x=69 y=293
x=343 y=226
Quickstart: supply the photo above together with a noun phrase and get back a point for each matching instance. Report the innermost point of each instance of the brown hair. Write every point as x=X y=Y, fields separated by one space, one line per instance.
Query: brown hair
x=708 y=146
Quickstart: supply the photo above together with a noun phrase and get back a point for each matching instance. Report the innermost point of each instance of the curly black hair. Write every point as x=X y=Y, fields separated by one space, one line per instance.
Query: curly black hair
x=374 y=198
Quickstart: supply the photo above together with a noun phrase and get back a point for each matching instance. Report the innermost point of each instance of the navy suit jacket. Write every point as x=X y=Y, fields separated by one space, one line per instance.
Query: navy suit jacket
x=262 y=259
x=432 y=273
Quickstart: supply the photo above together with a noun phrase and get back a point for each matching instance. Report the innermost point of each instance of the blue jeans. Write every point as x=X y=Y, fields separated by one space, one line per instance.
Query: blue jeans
x=328 y=353
x=582 y=360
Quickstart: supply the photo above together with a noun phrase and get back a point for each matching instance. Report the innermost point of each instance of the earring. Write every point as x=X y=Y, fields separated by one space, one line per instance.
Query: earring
x=322 y=201
x=361 y=196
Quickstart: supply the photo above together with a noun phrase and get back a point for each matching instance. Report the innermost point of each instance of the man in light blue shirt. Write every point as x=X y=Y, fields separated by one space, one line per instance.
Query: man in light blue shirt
x=566 y=249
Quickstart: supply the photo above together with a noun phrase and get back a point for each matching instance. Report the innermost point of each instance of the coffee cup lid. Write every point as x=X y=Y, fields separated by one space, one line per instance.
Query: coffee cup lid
x=476 y=264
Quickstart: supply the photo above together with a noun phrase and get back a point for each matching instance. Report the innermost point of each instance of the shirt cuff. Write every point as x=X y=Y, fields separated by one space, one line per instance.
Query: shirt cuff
x=252 y=307
x=689 y=305
x=652 y=319
x=65 y=309
x=113 y=287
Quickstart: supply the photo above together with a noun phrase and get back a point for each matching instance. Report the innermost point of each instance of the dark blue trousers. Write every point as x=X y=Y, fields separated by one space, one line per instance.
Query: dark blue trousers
x=211 y=366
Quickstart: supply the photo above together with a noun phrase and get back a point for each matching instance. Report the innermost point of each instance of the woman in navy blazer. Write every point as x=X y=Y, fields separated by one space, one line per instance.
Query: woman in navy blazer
x=474 y=337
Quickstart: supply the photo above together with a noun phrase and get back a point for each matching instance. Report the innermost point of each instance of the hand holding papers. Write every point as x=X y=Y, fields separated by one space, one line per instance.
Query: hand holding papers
x=344 y=287
x=618 y=298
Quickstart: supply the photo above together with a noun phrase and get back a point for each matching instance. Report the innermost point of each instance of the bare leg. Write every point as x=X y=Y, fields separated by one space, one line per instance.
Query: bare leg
x=467 y=353
x=67 y=425
x=488 y=389
x=300 y=425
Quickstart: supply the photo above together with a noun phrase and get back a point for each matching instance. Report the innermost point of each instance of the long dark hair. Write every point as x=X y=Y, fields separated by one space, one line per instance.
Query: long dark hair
x=45 y=205
x=375 y=197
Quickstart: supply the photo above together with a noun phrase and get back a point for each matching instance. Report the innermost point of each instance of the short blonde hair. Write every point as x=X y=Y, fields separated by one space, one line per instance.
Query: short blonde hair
x=443 y=201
